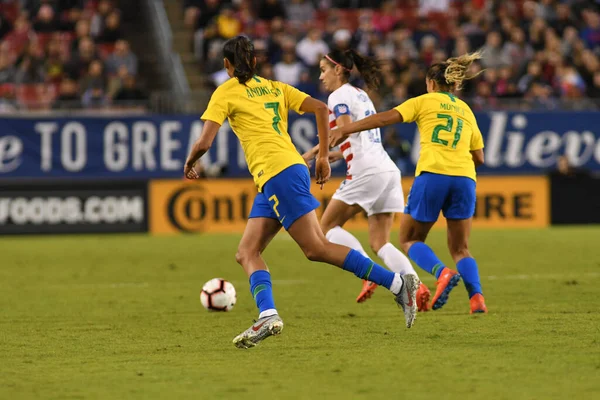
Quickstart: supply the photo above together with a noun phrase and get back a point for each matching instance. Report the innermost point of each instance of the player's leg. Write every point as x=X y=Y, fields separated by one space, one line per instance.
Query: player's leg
x=294 y=206
x=307 y=233
x=333 y=219
x=425 y=201
x=459 y=214
x=260 y=230
x=380 y=227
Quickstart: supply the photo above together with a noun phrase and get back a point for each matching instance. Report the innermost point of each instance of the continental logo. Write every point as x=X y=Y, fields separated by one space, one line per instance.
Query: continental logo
x=224 y=205
x=201 y=206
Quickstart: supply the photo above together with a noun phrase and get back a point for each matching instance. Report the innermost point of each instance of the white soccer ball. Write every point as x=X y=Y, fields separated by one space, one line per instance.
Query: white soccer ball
x=218 y=295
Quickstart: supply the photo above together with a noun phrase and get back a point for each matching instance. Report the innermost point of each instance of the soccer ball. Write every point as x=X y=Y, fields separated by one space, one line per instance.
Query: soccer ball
x=218 y=295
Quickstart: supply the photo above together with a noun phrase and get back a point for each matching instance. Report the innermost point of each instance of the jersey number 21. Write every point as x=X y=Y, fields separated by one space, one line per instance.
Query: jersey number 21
x=447 y=128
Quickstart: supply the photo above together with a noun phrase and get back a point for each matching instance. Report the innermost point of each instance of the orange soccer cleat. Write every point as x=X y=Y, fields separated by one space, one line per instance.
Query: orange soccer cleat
x=423 y=295
x=366 y=292
x=446 y=282
x=478 y=304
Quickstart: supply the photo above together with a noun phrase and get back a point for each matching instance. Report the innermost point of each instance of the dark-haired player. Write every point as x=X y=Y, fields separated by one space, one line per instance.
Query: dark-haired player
x=257 y=110
x=372 y=182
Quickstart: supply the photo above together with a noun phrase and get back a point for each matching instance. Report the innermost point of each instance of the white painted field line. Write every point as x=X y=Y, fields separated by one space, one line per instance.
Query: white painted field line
x=539 y=277
x=292 y=282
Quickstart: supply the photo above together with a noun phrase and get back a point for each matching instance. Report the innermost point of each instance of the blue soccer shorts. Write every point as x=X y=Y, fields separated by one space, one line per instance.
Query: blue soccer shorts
x=432 y=193
x=285 y=197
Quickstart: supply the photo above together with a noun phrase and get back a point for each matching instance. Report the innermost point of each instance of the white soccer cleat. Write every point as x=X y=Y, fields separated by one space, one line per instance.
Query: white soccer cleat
x=407 y=298
x=259 y=331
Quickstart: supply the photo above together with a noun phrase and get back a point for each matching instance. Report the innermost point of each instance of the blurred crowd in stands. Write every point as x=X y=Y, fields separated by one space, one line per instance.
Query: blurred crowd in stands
x=64 y=54
x=538 y=54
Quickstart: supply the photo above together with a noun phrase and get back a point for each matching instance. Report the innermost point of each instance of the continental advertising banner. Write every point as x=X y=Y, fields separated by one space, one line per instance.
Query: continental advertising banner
x=151 y=147
x=224 y=205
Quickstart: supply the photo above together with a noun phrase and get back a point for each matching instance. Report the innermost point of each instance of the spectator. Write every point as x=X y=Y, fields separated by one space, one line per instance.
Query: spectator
x=112 y=29
x=204 y=28
x=68 y=97
x=228 y=25
x=564 y=19
x=397 y=148
x=494 y=56
x=594 y=88
x=7 y=68
x=105 y=7
x=130 y=93
x=30 y=66
x=517 y=51
x=307 y=85
x=312 y=48
x=428 y=6
x=266 y=71
x=80 y=62
x=288 y=70
x=94 y=97
x=269 y=9
x=122 y=56
x=590 y=34
x=397 y=97
x=299 y=12
x=5 y=26
x=95 y=77
x=534 y=74
x=46 y=20
x=342 y=39
x=54 y=65
x=565 y=169
x=21 y=34
x=82 y=30
x=385 y=19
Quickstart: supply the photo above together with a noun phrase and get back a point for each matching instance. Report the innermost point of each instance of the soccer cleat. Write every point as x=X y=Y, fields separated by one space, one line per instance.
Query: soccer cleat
x=423 y=296
x=366 y=292
x=259 y=331
x=445 y=283
x=478 y=304
x=407 y=298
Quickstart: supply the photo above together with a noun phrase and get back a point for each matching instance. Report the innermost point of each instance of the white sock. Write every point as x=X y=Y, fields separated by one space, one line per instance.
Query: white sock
x=339 y=235
x=395 y=260
x=396 y=284
x=267 y=313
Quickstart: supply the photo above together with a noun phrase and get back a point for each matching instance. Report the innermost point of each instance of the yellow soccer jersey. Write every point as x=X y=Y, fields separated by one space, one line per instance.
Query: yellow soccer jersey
x=258 y=115
x=448 y=132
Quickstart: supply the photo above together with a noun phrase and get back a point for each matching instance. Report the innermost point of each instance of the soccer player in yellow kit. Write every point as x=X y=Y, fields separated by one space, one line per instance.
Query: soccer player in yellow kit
x=257 y=110
x=451 y=148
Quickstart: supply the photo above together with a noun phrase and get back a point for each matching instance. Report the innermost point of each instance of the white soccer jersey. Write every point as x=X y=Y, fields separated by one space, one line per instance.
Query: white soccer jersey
x=363 y=151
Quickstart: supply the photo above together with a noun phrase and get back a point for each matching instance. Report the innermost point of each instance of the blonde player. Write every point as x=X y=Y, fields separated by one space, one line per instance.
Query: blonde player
x=257 y=110
x=451 y=148
x=372 y=182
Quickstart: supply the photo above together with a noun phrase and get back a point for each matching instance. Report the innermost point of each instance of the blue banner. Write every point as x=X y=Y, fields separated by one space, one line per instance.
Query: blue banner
x=156 y=146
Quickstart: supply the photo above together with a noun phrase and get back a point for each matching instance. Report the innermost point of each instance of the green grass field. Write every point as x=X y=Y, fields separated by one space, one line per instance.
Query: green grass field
x=118 y=317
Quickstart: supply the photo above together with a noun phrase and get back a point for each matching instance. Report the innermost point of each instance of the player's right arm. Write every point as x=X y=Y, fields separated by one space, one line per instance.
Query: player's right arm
x=213 y=117
x=405 y=112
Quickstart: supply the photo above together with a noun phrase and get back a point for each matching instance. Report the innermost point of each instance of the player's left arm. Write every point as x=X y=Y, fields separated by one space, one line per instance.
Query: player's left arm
x=202 y=145
x=322 y=170
x=476 y=145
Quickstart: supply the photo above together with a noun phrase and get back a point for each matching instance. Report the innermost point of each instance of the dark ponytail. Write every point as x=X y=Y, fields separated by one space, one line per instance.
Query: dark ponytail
x=240 y=53
x=369 y=68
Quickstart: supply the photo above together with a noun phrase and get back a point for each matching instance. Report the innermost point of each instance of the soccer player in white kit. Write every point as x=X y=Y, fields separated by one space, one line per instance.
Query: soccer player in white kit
x=372 y=181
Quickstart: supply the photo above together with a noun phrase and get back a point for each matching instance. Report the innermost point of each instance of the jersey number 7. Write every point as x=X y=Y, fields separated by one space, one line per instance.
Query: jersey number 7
x=275 y=107
x=448 y=128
